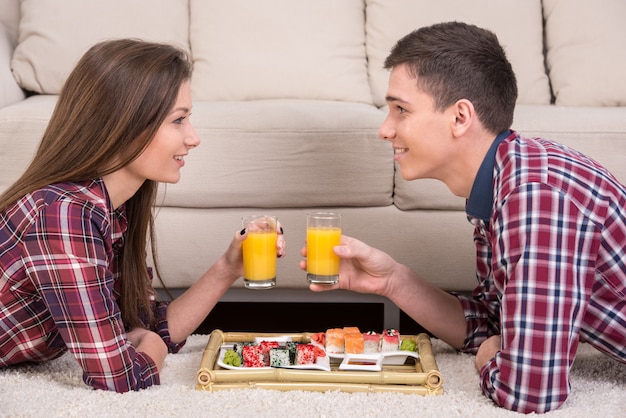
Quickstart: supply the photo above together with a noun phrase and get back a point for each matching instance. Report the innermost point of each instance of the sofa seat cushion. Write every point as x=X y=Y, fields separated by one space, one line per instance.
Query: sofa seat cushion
x=585 y=51
x=285 y=153
x=53 y=34
x=437 y=244
x=275 y=49
x=518 y=25
x=23 y=125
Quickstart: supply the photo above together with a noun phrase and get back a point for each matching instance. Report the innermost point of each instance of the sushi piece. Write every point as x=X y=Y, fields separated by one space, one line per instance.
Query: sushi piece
x=371 y=342
x=292 y=348
x=266 y=346
x=353 y=340
x=335 y=340
x=305 y=354
x=279 y=357
x=348 y=330
x=252 y=356
x=390 y=340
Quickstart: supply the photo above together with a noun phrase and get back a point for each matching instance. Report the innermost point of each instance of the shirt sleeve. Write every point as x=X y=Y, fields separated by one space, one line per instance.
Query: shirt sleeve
x=542 y=265
x=161 y=326
x=67 y=256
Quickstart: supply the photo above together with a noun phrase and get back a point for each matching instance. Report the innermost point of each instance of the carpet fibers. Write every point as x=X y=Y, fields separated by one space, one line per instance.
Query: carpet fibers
x=55 y=389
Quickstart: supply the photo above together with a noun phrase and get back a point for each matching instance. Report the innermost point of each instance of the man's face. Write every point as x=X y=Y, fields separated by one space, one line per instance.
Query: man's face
x=419 y=134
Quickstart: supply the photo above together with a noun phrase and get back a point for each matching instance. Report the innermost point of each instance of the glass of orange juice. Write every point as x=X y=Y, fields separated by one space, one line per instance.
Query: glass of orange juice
x=259 y=251
x=323 y=232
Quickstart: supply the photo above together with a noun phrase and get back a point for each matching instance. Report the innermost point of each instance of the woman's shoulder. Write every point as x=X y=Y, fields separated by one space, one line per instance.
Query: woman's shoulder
x=90 y=192
x=81 y=198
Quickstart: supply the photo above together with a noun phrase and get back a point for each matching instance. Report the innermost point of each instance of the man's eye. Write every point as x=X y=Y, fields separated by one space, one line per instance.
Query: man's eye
x=401 y=109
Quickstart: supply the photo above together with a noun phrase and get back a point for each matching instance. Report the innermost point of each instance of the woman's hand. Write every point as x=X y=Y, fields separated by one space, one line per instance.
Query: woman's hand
x=362 y=268
x=234 y=254
x=187 y=312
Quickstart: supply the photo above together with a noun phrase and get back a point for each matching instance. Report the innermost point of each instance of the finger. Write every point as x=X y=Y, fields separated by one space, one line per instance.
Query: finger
x=323 y=287
x=280 y=246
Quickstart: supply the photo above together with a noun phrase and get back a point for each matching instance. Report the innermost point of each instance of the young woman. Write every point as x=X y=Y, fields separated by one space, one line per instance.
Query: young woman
x=74 y=227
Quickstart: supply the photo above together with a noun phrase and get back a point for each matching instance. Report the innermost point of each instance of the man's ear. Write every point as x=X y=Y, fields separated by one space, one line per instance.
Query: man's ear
x=464 y=115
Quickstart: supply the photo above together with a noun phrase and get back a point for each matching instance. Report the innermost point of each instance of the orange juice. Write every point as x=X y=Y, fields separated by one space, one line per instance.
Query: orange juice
x=259 y=255
x=321 y=259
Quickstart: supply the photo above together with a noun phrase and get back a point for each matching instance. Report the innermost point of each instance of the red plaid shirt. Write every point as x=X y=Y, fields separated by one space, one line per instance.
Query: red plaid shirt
x=60 y=248
x=550 y=234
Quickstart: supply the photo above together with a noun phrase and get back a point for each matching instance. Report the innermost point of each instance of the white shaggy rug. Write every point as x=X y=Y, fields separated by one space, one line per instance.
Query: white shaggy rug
x=55 y=389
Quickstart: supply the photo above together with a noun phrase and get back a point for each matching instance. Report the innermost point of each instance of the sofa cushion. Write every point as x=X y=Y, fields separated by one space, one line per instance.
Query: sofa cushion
x=273 y=49
x=53 y=34
x=586 y=56
x=518 y=24
x=23 y=125
x=10 y=18
x=10 y=91
x=285 y=153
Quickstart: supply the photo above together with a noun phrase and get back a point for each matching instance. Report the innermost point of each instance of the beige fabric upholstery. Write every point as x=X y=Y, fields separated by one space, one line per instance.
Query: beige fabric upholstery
x=276 y=49
x=285 y=153
x=518 y=25
x=10 y=91
x=10 y=18
x=53 y=34
x=284 y=94
x=586 y=55
x=436 y=244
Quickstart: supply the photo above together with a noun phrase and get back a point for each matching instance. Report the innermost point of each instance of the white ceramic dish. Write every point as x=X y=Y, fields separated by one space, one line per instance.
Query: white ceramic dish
x=391 y=358
x=321 y=363
x=371 y=362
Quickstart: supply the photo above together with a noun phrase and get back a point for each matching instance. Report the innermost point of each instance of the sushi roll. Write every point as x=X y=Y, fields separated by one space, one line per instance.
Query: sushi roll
x=253 y=356
x=305 y=354
x=335 y=340
x=390 y=340
x=266 y=346
x=279 y=357
x=371 y=342
x=292 y=348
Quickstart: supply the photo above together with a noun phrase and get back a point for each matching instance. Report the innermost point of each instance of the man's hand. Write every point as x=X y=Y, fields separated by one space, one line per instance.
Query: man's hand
x=487 y=351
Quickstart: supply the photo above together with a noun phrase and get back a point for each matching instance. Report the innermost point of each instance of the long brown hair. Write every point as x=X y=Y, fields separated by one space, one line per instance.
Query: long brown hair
x=108 y=111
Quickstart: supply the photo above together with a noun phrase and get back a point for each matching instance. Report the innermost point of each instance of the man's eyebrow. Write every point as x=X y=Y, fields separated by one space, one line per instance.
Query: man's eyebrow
x=394 y=99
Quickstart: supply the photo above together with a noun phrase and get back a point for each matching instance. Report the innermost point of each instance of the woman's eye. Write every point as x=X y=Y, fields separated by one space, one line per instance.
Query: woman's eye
x=179 y=120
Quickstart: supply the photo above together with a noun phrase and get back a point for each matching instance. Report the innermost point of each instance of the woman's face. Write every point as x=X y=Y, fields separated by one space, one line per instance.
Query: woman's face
x=163 y=158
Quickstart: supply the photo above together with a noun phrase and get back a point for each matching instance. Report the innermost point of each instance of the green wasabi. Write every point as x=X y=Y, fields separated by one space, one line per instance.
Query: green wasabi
x=408 y=345
x=232 y=358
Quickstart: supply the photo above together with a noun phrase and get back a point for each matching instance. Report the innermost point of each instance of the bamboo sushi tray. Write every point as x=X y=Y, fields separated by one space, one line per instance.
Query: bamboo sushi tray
x=418 y=376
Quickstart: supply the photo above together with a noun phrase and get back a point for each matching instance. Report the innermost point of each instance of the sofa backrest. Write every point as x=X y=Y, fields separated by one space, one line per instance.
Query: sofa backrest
x=518 y=25
x=279 y=49
x=53 y=35
x=567 y=51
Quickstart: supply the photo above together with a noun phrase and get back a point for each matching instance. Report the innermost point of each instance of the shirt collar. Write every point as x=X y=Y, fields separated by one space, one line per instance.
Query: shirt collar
x=480 y=202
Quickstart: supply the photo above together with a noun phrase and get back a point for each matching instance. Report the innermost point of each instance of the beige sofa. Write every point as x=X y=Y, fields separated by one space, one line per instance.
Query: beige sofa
x=288 y=97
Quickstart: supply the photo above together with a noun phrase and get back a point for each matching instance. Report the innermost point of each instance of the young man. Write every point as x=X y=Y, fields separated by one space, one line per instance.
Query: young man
x=550 y=229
